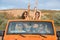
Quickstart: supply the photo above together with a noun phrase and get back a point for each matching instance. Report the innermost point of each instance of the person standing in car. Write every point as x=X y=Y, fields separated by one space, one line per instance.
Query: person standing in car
x=37 y=15
x=26 y=16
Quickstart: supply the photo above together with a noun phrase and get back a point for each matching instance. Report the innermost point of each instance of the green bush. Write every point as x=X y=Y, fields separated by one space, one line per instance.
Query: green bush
x=4 y=17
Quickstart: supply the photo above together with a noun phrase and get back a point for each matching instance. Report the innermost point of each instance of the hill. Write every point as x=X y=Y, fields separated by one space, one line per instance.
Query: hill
x=16 y=14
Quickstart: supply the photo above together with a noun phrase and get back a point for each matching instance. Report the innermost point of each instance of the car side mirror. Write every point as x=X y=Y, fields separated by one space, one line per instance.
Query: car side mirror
x=1 y=33
x=58 y=33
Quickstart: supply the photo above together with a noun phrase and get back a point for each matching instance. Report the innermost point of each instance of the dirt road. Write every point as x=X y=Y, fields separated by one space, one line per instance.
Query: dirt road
x=58 y=28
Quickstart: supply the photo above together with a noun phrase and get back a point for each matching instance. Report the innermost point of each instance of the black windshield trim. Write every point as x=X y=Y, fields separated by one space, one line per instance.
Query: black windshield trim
x=29 y=33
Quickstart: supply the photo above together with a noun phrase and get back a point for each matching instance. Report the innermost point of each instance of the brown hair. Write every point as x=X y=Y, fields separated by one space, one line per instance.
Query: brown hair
x=38 y=13
x=23 y=17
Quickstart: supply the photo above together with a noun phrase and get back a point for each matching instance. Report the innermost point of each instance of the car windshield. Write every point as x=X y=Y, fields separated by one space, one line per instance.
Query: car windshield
x=30 y=27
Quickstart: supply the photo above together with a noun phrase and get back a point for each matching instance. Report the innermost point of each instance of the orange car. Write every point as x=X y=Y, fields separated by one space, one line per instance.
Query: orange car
x=30 y=30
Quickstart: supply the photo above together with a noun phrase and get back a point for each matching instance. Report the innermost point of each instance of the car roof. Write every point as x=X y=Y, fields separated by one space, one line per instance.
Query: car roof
x=30 y=20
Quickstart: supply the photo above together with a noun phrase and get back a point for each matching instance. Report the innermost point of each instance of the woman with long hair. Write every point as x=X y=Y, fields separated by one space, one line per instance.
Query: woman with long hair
x=25 y=15
x=37 y=15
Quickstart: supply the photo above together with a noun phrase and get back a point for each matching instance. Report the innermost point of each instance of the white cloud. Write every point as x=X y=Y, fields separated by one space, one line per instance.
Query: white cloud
x=50 y=4
x=8 y=7
x=43 y=4
x=53 y=3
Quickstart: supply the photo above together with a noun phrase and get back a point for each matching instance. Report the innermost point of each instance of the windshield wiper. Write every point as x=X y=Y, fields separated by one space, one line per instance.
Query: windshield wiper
x=41 y=35
x=34 y=34
x=22 y=35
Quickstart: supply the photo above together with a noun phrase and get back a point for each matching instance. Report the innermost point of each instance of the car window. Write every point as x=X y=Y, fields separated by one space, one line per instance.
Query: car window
x=30 y=27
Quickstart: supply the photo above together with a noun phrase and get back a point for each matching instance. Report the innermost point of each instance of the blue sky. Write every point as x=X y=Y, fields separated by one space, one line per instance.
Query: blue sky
x=23 y=4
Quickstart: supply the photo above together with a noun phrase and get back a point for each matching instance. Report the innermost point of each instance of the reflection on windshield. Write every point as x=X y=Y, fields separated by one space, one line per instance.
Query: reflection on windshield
x=30 y=27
